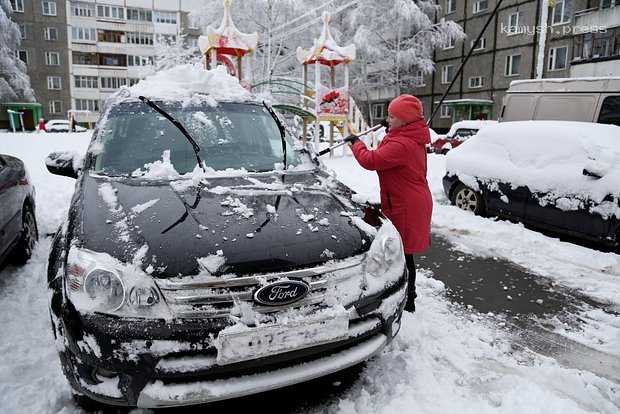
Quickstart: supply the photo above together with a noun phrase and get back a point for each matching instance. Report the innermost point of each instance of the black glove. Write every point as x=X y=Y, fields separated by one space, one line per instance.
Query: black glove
x=384 y=123
x=351 y=139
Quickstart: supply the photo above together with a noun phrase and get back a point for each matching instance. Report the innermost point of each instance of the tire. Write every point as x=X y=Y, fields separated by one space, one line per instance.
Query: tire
x=27 y=238
x=467 y=199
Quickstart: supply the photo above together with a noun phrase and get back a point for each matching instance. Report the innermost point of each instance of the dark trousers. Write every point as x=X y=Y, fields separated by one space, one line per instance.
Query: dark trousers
x=411 y=293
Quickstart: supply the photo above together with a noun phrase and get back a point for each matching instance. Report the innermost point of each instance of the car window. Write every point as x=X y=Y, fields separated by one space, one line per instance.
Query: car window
x=230 y=135
x=610 y=111
x=465 y=133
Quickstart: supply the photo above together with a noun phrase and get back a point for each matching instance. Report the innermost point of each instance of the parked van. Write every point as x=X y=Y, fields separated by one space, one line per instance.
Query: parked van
x=563 y=99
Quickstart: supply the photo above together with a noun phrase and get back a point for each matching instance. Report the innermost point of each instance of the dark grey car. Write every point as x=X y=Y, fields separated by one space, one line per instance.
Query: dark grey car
x=18 y=226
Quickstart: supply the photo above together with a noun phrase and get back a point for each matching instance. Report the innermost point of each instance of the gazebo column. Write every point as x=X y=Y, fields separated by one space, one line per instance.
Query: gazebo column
x=317 y=102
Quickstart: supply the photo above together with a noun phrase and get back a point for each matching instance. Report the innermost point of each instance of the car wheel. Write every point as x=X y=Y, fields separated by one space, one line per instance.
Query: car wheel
x=28 y=237
x=467 y=199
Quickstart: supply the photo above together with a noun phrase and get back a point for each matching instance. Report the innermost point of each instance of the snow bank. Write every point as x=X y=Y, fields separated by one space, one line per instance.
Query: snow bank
x=188 y=83
x=547 y=157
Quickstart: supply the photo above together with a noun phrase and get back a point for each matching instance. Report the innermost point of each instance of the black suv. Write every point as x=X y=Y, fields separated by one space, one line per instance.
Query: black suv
x=180 y=280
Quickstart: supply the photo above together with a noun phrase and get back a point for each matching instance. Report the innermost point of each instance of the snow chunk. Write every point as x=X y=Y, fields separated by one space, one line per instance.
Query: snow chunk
x=212 y=263
x=139 y=208
x=158 y=169
x=191 y=84
x=324 y=222
x=108 y=194
x=271 y=209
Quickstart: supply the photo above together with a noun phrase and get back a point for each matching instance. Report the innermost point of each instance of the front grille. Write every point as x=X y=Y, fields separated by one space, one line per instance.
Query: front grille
x=215 y=297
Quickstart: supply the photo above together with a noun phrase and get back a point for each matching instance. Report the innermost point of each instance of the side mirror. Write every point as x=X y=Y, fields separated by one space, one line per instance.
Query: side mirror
x=67 y=164
x=591 y=174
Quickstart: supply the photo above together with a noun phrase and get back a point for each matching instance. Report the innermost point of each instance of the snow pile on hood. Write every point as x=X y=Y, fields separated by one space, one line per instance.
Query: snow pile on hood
x=188 y=82
x=547 y=157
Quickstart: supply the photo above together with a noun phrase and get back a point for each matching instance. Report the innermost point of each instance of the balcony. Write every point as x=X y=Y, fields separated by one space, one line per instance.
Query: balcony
x=596 y=18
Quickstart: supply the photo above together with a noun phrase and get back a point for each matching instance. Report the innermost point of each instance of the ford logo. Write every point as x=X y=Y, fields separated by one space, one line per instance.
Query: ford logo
x=281 y=293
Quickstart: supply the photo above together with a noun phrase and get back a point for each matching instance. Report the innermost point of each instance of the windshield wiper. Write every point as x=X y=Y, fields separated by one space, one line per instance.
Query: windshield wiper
x=280 y=127
x=179 y=126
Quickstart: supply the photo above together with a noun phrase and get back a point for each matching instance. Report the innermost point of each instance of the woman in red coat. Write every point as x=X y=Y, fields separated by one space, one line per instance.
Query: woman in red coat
x=400 y=162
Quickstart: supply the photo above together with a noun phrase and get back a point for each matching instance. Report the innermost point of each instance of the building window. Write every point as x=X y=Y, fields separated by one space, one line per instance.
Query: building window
x=445 y=111
x=512 y=65
x=87 y=105
x=482 y=43
x=137 y=38
x=49 y=8
x=139 y=60
x=83 y=9
x=378 y=110
x=110 y=12
x=476 y=82
x=110 y=36
x=141 y=15
x=165 y=17
x=596 y=45
x=558 y=58
x=17 y=6
x=450 y=42
x=418 y=80
x=22 y=55
x=132 y=81
x=54 y=82
x=561 y=12
x=55 y=107
x=480 y=6
x=112 y=83
x=447 y=74
x=52 y=58
x=50 y=33
x=82 y=58
x=450 y=6
x=84 y=34
x=91 y=82
x=513 y=24
x=112 y=59
x=605 y=4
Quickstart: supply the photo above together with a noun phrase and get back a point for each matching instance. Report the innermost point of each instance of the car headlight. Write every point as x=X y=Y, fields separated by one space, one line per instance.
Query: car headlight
x=97 y=282
x=386 y=258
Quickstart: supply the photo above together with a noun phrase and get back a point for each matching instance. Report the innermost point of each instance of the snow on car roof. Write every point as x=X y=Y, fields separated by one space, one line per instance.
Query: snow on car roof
x=547 y=157
x=187 y=83
x=471 y=124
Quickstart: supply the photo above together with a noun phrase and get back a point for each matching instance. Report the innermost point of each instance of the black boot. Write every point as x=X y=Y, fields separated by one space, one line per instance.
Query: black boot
x=411 y=293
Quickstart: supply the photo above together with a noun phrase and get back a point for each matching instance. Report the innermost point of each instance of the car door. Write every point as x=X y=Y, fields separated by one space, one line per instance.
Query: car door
x=506 y=201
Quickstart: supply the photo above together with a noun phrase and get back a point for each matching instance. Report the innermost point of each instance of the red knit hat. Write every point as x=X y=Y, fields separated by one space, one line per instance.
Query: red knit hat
x=407 y=108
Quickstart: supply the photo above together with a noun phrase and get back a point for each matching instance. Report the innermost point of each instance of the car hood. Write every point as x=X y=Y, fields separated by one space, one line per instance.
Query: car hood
x=271 y=223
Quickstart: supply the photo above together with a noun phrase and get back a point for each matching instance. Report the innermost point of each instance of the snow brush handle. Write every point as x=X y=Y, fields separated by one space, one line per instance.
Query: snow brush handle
x=361 y=134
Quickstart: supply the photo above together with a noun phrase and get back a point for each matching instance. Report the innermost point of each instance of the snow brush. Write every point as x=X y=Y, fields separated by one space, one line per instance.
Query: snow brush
x=347 y=139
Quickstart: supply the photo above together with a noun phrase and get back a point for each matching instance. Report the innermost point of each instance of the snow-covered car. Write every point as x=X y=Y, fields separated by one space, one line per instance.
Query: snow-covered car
x=206 y=257
x=553 y=175
x=18 y=225
x=61 y=125
x=458 y=133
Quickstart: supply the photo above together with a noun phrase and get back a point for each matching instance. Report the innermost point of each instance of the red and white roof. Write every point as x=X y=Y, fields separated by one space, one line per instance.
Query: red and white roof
x=227 y=39
x=325 y=49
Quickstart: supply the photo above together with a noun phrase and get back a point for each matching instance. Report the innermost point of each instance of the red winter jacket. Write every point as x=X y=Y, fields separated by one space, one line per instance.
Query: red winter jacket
x=400 y=162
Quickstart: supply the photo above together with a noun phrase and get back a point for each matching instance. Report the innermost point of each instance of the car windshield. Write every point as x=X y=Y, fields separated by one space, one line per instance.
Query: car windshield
x=230 y=135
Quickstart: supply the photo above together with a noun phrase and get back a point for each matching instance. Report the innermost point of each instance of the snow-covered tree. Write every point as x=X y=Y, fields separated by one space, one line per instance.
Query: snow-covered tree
x=14 y=81
x=170 y=52
x=395 y=40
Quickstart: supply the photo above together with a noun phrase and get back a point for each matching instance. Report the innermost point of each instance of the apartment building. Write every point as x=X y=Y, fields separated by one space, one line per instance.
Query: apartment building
x=582 y=39
x=43 y=27
x=113 y=43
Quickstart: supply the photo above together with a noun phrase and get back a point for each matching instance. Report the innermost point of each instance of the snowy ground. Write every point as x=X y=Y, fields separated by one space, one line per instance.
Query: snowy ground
x=445 y=359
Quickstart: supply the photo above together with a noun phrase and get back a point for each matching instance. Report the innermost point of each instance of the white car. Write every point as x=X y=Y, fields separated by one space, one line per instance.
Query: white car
x=61 y=125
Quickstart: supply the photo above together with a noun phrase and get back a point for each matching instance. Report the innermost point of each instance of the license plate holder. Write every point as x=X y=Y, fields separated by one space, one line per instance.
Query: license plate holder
x=262 y=341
